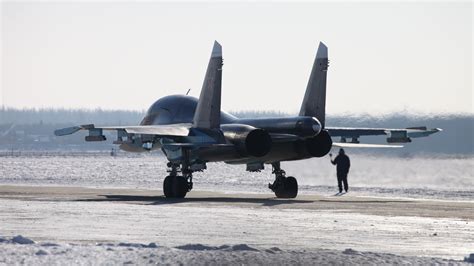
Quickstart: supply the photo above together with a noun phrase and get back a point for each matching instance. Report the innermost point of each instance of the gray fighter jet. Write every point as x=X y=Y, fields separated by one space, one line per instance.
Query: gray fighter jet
x=193 y=132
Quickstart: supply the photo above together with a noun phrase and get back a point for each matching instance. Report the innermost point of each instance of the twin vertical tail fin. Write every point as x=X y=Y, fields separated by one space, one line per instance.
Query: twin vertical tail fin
x=208 y=110
x=314 y=102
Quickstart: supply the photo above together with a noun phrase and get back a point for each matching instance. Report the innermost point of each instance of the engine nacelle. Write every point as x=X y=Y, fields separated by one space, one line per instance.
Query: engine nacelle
x=319 y=145
x=248 y=140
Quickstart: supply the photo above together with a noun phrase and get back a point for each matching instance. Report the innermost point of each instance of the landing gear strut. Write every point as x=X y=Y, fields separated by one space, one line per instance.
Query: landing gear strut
x=176 y=186
x=284 y=187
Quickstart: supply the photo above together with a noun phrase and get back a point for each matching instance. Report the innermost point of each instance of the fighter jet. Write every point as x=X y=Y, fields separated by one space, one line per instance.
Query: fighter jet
x=193 y=132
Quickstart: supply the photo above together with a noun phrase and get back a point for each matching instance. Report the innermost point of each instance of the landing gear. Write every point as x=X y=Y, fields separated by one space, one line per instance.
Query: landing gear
x=283 y=187
x=175 y=186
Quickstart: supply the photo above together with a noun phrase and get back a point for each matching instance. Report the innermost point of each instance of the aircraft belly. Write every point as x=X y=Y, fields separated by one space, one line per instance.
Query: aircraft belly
x=216 y=155
x=286 y=151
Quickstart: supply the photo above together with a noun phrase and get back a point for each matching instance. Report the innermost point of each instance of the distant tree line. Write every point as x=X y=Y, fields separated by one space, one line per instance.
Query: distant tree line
x=69 y=116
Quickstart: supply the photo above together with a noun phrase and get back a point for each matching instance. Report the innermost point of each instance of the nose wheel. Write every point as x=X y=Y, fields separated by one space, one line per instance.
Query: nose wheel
x=283 y=186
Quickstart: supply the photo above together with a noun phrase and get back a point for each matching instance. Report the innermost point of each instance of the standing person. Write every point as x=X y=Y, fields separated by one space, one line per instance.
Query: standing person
x=343 y=164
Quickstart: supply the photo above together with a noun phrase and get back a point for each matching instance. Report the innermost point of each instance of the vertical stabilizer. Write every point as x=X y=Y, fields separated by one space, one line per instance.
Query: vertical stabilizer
x=208 y=110
x=314 y=102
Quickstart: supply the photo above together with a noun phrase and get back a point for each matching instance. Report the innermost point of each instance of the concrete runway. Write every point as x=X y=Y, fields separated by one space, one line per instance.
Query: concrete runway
x=79 y=214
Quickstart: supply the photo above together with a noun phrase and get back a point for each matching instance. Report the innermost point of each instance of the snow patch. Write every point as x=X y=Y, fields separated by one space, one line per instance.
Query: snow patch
x=138 y=245
x=41 y=253
x=350 y=251
x=201 y=247
x=196 y=254
x=47 y=244
x=243 y=247
x=19 y=239
x=273 y=250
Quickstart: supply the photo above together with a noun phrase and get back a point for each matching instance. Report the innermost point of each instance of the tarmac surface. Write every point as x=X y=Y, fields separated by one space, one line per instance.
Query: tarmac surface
x=428 y=228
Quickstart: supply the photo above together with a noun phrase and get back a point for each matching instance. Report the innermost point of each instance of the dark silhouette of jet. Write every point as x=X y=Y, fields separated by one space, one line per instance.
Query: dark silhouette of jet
x=193 y=132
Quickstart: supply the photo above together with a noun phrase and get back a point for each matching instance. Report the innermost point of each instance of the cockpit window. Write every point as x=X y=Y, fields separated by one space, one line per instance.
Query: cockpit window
x=177 y=109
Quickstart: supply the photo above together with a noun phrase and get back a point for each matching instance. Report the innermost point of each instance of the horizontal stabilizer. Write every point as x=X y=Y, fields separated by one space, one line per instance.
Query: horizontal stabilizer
x=362 y=145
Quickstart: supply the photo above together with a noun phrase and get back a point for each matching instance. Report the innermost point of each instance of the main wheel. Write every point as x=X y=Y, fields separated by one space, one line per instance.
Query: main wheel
x=287 y=189
x=291 y=187
x=175 y=187
x=168 y=186
x=180 y=187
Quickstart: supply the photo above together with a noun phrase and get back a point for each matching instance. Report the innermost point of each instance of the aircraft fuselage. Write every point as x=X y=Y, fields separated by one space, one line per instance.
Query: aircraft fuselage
x=175 y=109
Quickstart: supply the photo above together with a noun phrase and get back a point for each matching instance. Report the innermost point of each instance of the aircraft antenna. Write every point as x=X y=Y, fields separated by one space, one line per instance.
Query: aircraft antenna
x=188 y=91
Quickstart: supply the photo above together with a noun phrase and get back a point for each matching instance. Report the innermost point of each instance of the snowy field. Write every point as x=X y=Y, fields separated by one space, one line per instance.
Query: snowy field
x=446 y=177
x=142 y=254
x=107 y=210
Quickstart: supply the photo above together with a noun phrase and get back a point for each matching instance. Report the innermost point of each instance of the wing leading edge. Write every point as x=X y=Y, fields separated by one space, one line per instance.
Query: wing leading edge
x=96 y=133
x=393 y=135
x=159 y=130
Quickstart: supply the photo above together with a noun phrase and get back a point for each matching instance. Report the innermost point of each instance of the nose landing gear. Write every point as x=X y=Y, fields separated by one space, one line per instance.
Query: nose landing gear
x=283 y=187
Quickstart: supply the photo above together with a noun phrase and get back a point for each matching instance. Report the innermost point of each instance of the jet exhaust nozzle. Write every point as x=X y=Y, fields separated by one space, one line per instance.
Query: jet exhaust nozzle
x=249 y=141
x=319 y=145
x=258 y=143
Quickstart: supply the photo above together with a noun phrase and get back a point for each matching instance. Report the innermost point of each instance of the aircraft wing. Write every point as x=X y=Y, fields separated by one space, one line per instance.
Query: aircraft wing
x=96 y=133
x=394 y=135
x=363 y=145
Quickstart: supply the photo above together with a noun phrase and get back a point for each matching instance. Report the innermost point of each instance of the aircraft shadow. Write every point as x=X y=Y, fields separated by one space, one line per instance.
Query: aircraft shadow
x=365 y=201
x=125 y=198
x=161 y=200
x=262 y=201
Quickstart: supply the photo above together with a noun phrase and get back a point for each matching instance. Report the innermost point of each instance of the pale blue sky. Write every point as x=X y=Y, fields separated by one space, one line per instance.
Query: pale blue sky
x=384 y=57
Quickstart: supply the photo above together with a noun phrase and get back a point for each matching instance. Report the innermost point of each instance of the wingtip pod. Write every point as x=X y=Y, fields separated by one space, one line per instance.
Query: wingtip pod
x=216 y=49
x=322 y=51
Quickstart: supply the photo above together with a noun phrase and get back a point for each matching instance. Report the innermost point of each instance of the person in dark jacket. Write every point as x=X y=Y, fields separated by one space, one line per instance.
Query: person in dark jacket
x=343 y=164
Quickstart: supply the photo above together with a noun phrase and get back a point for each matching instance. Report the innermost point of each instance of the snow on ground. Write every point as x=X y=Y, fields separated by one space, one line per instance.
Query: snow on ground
x=47 y=253
x=82 y=215
x=445 y=177
x=241 y=228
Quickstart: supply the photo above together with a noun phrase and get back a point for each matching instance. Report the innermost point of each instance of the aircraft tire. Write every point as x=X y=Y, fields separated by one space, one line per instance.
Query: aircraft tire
x=291 y=187
x=287 y=190
x=180 y=187
x=168 y=186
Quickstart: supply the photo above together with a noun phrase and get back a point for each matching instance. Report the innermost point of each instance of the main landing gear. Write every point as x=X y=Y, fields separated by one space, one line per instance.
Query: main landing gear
x=176 y=186
x=283 y=186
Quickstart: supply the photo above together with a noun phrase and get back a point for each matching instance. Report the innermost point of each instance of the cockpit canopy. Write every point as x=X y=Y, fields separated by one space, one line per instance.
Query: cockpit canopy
x=176 y=109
